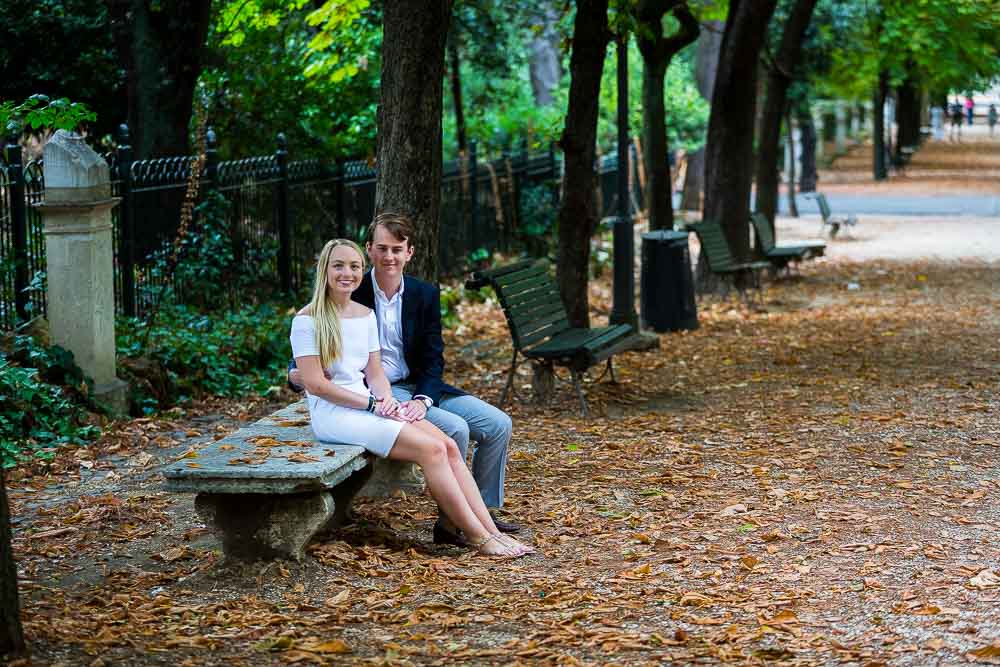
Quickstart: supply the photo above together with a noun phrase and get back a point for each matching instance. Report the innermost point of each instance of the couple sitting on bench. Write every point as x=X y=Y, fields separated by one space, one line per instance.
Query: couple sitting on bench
x=393 y=345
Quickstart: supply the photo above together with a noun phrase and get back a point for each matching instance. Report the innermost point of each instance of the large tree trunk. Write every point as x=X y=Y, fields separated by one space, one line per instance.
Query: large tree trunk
x=163 y=50
x=705 y=67
x=409 y=121
x=578 y=211
x=11 y=636
x=729 y=151
x=809 y=176
x=879 y=166
x=657 y=51
x=779 y=77
x=546 y=61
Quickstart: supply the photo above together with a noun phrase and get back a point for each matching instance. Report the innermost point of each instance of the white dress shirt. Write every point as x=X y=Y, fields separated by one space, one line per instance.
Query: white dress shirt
x=390 y=332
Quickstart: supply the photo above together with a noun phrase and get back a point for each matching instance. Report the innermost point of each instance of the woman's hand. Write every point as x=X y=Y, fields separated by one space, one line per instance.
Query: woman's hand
x=388 y=406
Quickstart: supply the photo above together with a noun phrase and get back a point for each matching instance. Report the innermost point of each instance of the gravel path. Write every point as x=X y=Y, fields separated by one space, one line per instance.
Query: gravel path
x=904 y=238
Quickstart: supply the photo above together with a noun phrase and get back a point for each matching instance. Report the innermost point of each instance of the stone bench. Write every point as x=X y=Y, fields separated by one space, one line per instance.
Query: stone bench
x=269 y=488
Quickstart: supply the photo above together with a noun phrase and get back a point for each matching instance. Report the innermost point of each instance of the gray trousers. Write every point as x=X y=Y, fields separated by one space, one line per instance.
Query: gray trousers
x=465 y=418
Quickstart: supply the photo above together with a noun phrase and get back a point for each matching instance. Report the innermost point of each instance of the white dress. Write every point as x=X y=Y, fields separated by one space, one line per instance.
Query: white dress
x=337 y=423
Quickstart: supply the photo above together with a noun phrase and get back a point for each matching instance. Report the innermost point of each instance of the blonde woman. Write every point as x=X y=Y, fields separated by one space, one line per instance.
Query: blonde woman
x=340 y=336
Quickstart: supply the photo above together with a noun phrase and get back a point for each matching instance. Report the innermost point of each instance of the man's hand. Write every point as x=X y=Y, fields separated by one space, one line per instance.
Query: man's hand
x=413 y=410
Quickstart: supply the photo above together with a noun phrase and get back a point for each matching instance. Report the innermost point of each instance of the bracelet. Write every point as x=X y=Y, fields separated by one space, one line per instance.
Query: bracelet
x=371 y=403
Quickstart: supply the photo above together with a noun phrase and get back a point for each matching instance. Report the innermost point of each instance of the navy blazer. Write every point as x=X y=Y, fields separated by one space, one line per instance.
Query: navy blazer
x=423 y=348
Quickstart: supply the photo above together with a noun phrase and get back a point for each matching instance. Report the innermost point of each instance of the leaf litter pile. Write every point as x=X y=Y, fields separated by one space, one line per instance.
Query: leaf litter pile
x=808 y=481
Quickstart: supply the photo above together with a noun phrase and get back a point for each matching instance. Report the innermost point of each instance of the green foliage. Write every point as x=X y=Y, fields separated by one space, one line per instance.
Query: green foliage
x=276 y=72
x=219 y=353
x=38 y=112
x=207 y=273
x=63 y=48
x=944 y=44
x=43 y=401
x=686 y=110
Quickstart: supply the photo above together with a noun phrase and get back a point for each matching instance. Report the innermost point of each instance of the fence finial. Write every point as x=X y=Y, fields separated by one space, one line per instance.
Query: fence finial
x=210 y=139
x=124 y=138
x=282 y=142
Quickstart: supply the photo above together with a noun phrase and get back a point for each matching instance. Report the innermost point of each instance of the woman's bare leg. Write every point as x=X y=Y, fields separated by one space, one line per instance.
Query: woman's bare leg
x=431 y=454
x=469 y=487
x=462 y=475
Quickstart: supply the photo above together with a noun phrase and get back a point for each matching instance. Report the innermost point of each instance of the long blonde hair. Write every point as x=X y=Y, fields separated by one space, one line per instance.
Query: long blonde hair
x=322 y=308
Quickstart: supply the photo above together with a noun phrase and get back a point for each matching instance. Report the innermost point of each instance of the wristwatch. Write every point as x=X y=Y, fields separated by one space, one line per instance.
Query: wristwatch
x=428 y=401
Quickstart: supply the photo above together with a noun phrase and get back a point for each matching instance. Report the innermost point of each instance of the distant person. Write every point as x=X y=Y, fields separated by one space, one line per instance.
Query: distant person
x=955 y=134
x=969 y=107
x=991 y=118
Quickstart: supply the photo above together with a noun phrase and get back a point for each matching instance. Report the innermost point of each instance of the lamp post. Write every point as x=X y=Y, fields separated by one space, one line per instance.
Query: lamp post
x=623 y=308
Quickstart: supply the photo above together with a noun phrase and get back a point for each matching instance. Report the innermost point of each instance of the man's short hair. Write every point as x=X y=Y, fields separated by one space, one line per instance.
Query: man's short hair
x=397 y=224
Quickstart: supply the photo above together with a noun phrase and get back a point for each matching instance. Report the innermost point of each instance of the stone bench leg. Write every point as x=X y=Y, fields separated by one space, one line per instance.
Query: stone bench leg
x=255 y=526
x=343 y=494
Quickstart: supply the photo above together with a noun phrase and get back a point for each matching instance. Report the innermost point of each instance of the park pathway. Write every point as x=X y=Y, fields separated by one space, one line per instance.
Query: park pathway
x=945 y=178
x=808 y=481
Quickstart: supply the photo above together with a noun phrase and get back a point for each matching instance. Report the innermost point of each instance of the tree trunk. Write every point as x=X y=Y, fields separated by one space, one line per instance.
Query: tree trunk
x=793 y=209
x=454 y=69
x=578 y=211
x=657 y=51
x=779 y=77
x=878 y=128
x=807 y=137
x=907 y=116
x=706 y=65
x=409 y=121
x=11 y=635
x=729 y=151
x=163 y=50
x=545 y=60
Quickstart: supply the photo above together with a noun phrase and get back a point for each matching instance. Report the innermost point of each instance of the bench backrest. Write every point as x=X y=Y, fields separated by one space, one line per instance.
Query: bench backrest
x=530 y=301
x=761 y=227
x=714 y=245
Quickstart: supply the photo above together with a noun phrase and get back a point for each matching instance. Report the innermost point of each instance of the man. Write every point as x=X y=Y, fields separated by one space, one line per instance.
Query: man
x=408 y=311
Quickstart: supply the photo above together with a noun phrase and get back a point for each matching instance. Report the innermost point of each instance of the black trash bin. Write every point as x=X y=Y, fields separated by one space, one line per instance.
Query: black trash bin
x=667 y=283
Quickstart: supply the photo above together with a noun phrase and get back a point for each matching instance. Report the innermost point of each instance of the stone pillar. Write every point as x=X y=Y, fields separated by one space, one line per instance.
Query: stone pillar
x=840 y=138
x=81 y=299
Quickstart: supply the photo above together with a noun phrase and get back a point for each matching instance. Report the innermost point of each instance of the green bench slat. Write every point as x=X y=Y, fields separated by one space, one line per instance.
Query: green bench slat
x=528 y=320
x=510 y=280
x=531 y=338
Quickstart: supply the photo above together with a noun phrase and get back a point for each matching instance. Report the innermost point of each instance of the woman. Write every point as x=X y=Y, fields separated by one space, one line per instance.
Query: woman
x=341 y=336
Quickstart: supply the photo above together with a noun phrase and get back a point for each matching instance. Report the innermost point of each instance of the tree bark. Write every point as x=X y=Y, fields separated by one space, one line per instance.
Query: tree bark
x=706 y=65
x=907 y=116
x=578 y=211
x=793 y=208
x=454 y=69
x=729 y=151
x=11 y=635
x=779 y=78
x=657 y=52
x=808 y=176
x=879 y=166
x=409 y=121
x=545 y=64
x=163 y=49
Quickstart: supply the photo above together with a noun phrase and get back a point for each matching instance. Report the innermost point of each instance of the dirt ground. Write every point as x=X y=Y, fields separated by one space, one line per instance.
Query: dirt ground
x=807 y=481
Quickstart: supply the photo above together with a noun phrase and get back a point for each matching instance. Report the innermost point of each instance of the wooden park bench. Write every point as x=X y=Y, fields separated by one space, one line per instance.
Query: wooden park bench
x=269 y=488
x=834 y=222
x=781 y=256
x=539 y=326
x=720 y=258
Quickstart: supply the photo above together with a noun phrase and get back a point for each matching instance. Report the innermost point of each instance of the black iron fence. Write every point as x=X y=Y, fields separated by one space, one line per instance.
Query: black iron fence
x=278 y=214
